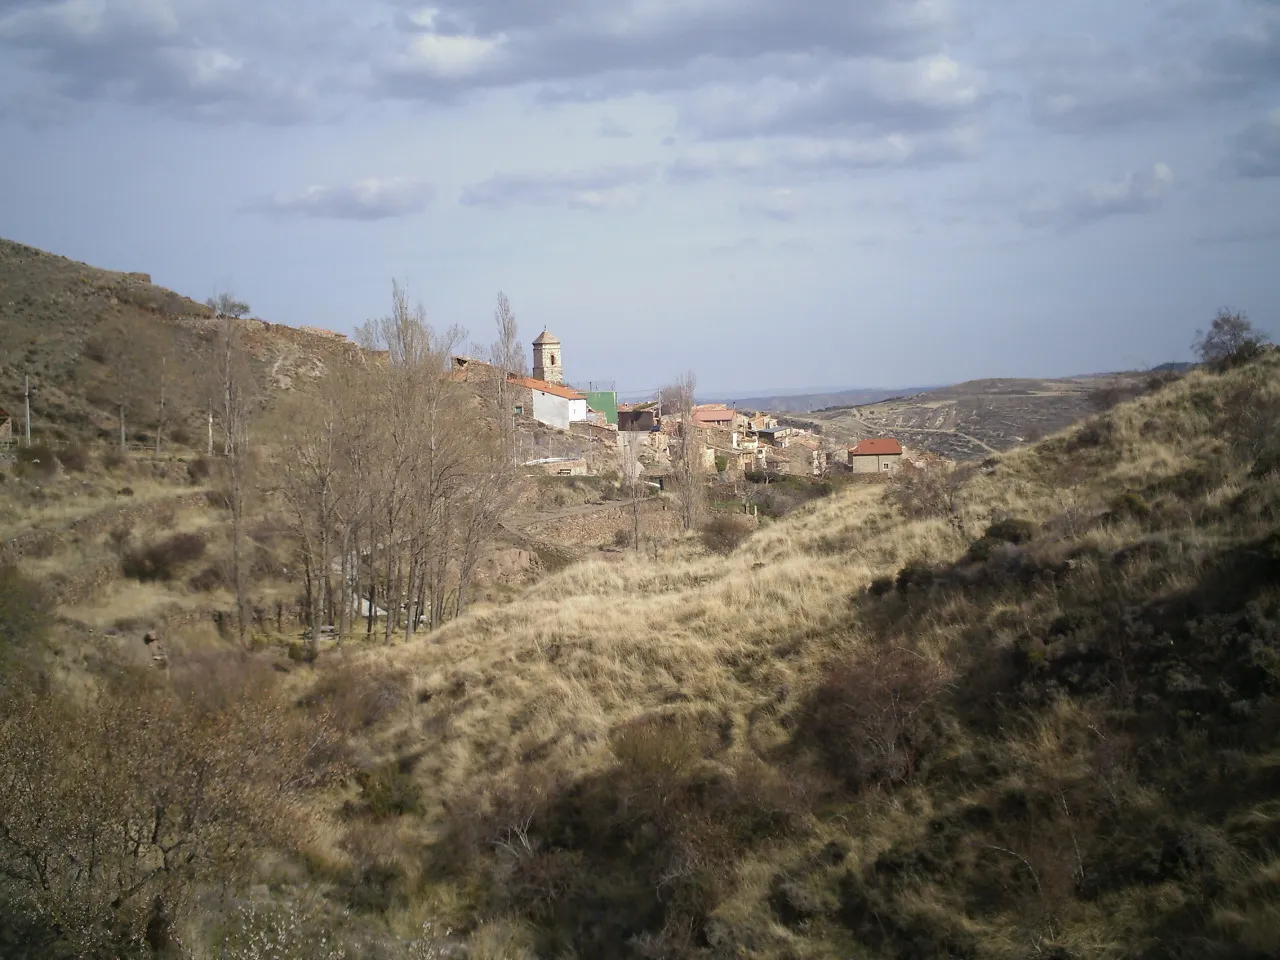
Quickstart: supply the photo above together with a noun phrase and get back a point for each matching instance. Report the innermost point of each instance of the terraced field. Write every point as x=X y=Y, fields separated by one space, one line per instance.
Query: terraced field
x=970 y=421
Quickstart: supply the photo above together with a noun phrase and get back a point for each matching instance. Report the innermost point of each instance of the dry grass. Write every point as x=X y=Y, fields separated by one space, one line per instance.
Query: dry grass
x=544 y=683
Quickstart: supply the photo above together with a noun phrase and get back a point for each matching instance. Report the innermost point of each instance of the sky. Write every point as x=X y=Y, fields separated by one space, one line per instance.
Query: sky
x=774 y=194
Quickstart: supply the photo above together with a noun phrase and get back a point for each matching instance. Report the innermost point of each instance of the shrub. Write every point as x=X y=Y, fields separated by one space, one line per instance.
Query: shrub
x=199 y=470
x=622 y=537
x=1129 y=505
x=24 y=615
x=880 y=586
x=1011 y=530
x=112 y=459
x=1231 y=341
x=159 y=561
x=722 y=463
x=389 y=791
x=872 y=718
x=208 y=579
x=37 y=460
x=928 y=493
x=74 y=459
x=359 y=698
x=180 y=436
x=915 y=576
x=723 y=534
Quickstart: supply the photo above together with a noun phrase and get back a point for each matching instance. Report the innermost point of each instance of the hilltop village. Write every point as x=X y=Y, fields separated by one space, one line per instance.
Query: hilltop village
x=576 y=432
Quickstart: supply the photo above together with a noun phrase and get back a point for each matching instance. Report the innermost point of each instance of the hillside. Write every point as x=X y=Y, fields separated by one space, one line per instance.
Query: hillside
x=972 y=420
x=808 y=402
x=871 y=735
x=90 y=339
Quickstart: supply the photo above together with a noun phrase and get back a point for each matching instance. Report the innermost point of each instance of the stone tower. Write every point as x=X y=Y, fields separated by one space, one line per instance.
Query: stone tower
x=547 y=362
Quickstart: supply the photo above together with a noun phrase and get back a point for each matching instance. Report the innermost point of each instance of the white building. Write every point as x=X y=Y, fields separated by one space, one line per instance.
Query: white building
x=553 y=404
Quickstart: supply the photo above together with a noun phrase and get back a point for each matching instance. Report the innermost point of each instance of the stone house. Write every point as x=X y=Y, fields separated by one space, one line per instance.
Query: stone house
x=631 y=420
x=882 y=455
x=552 y=403
x=714 y=415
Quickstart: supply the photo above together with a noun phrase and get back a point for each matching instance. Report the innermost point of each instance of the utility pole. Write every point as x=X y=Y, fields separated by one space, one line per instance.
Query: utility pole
x=26 y=396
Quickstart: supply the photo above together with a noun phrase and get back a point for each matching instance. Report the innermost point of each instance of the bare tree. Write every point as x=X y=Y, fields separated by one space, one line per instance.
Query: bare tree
x=224 y=304
x=632 y=469
x=114 y=812
x=236 y=387
x=686 y=458
x=1230 y=339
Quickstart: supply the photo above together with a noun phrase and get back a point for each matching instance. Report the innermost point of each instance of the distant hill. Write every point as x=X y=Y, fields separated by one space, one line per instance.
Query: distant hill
x=90 y=338
x=972 y=420
x=809 y=402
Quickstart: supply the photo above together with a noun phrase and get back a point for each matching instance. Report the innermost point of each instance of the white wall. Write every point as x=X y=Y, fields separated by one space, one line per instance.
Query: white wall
x=552 y=410
x=557 y=411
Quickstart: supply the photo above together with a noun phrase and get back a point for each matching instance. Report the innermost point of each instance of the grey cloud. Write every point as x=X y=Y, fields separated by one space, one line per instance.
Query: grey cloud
x=605 y=189
x=476 y=43
x=1136 y=193
x=929 y=93
x=1256 y=149
x=611 y=129
x=366 y=200
x=199 y=58
x=1080 y=83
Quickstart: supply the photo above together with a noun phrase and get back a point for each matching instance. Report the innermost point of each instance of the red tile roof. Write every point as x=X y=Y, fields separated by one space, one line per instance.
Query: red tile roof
x=876 y=448
x=555 y=389
x=703 y=415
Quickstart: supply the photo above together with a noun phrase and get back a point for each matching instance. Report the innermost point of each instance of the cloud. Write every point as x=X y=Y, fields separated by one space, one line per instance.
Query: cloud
x=929 y=93
x=366 y=200
x=1136 y=193
x=609 y=188
x=611 y=129
x=506 y=42
x=1256 y=149
x=818 y=158
x=1083 y=83
x=199 y=58
x=783 y=205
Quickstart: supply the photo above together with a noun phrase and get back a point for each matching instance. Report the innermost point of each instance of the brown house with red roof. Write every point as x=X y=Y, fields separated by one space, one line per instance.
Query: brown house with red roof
x=876 y=456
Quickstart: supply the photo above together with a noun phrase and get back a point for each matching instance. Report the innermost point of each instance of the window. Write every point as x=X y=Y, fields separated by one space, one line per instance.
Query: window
x=519 y=408
x=553 y=360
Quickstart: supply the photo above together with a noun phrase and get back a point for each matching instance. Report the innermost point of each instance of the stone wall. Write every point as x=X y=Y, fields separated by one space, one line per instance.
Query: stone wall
x=659 y=520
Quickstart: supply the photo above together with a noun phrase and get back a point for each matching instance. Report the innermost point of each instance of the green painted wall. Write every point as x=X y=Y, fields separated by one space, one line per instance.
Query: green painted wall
x=605 y=402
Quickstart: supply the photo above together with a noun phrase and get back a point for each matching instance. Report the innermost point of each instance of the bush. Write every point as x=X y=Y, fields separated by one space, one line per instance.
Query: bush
x=160 y=561
x=872 y=718
x=389 y=791
x=207 y=580
x=181 y=436
x=1011 y=530
x=112 y=459
x=915 y=576
x=199 y=470
x=880 y=586
x=622 y=537
x=927 y=493
x=37 y=460
x=74 y=459
x=1129 y=505
x=24 y=615
x=723 y=534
